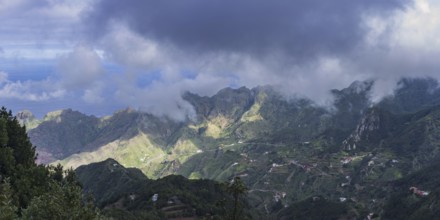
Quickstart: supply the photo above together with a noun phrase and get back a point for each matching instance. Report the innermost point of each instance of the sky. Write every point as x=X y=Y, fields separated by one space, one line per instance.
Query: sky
x=99 y=56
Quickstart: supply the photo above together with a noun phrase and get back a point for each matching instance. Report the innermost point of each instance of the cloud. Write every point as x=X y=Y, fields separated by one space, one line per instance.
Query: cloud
x=300 y=29
x=145 y=54
x=404 y=45
x=304 y=48
x=80 y=68
x=131 y=49
x=164 y=98
x=29 y=90
x=79 y=72
x=143 y=57
x=39 y=29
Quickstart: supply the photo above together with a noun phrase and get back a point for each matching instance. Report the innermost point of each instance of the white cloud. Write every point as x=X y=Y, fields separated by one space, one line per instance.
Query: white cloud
x=394 y=48
x=164 y=98
x=403 y=44
x=419 y=27
x=80 y=68
x=31 y=90
x=128 y=48
x=40 y=29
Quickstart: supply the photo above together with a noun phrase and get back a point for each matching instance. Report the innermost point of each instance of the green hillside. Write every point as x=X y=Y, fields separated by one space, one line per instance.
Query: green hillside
x=287 y=151
x=125 y=193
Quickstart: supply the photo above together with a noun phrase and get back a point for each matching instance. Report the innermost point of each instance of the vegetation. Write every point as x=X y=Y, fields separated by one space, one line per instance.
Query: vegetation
x=237 y=189
x=121 y=191
x=287 y=152
x=404 y=204
x=318 y=208
x=31 y=191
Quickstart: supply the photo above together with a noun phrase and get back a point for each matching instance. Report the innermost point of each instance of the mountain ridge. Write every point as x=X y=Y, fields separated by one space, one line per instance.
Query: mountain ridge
x=286 y=151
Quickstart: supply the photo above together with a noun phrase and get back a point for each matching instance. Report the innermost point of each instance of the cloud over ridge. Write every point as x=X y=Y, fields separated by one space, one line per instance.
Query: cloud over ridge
x=145 y=54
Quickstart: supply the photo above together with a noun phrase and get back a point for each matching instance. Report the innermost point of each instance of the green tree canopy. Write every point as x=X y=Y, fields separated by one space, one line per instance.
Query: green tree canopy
x=31 y=191
x=237 y=189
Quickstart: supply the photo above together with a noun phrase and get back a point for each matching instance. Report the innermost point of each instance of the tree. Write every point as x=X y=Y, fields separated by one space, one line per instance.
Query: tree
x=16 y=138
x=3 y=133
x=7 y=162
x=29 y=182
x=60 y=202
x=17 y=160
x=35 y=191
x=63 y=198
x=237 y=189
x=56 y=172
x=7 y=208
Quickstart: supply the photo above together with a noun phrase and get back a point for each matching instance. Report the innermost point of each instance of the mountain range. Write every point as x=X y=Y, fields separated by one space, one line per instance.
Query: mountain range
x=355 y=157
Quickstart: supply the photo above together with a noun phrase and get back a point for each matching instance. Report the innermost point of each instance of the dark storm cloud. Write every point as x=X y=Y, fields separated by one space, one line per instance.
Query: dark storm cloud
x=302 y=28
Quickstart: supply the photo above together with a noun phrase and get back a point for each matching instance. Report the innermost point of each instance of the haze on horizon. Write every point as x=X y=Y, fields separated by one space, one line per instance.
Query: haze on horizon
x=98 y=56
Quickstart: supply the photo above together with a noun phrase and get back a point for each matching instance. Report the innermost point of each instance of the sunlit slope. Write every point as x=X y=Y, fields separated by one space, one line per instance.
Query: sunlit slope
x=285 y=150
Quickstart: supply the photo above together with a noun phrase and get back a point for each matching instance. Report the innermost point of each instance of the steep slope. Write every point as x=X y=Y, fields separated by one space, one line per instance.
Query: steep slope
x=138 y=151
x=412 y=136
x=413 y=94
x=350 y=104
x=382 y=147
x=217 y=113
x=272 y=118
x=128 y=123
x=255 y=133
x=159 y=146
x=73 y=130
x=286 y=151
x=65 y=133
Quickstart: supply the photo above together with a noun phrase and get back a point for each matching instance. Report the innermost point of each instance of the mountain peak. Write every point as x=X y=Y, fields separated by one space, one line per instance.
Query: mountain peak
x=412 y=95
x=361 y=86
x=355 y=88
x=229 y=90
x=26 y=118
x=25 y=114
